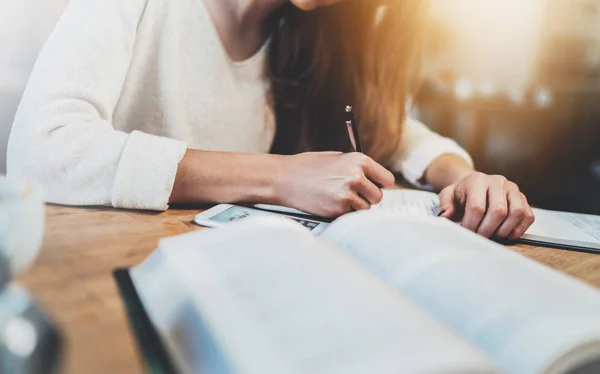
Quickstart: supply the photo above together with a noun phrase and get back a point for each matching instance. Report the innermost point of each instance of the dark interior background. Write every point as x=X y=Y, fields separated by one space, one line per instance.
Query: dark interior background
x=526 y=103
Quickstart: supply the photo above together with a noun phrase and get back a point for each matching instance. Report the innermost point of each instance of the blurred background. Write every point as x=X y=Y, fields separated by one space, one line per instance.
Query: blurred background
x=516 y=82
x=24 y=27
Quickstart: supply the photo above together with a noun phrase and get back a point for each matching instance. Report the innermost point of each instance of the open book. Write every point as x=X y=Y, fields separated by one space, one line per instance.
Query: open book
x=375 y=293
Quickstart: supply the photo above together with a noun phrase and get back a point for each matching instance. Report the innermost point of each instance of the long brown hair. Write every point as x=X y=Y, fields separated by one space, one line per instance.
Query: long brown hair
x=358 y=52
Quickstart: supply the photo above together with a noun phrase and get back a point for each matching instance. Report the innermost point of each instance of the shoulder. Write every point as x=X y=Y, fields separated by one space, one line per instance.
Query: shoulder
x=416 y=132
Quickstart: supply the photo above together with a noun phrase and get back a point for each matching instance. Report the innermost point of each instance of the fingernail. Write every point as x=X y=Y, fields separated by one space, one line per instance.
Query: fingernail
x=441 y=213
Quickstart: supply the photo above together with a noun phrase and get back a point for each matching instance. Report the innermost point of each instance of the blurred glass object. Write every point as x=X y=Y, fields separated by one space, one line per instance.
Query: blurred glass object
x=29 y=341
x=22 y=221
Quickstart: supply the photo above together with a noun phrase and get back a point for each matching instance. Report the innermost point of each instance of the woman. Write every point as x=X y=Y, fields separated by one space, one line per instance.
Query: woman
x=121 y=85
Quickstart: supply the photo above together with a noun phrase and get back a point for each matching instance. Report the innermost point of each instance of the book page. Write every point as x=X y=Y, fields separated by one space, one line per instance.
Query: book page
x=409 y=203
x=527 y=317
x=406 y=202
x=565 y=228
x=265 y=296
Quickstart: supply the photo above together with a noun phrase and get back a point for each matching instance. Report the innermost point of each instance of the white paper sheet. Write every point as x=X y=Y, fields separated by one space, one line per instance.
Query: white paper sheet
x=405 y=202
x=409 y=203
x=568 y=229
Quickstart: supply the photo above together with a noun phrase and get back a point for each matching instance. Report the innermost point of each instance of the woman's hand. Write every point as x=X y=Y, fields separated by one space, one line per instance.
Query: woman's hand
x=330 y=184
x=489 y=205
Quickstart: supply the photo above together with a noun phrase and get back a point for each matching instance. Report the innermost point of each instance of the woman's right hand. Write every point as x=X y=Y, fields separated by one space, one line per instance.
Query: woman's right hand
x=330 y=184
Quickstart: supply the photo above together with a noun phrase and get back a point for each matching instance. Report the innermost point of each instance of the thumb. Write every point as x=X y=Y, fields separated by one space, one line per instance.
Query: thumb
x=447 y=208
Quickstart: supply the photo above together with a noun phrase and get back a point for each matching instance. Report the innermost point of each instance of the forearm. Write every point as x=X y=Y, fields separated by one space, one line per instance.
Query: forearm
x=211 y=177
x=446 y=170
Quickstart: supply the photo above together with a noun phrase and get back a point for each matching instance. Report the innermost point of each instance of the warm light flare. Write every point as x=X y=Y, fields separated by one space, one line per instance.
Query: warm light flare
x=494 y=39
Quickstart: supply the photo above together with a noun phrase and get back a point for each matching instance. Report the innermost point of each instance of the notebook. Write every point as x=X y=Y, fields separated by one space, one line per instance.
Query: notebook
x=565 y=230
x=375 y=293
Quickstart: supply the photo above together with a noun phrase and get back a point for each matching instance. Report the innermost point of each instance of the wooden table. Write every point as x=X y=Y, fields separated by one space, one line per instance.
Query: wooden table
x=72 y=277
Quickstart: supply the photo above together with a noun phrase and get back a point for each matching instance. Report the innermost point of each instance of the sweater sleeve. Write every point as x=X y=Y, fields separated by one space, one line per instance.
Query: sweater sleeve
x=420 y=147
x=62 y=137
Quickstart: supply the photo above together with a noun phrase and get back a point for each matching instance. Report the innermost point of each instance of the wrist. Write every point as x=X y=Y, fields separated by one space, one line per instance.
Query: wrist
x=461 y=173
x=446 y=170
x=274 y=179
x=279 y=179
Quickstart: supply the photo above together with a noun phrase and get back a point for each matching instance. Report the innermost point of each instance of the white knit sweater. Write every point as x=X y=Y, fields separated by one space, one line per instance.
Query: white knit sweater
x=122 y=88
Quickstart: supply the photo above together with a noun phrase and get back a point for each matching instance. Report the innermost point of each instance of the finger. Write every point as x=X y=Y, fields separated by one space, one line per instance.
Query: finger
x=325 y=153
x=370 y=192
x=447 y=207
x=348 y=202
x=358 y=203
x=516 y=212
x=525 y=223
x=497 y=207
x=378 y=174
x=475 y=204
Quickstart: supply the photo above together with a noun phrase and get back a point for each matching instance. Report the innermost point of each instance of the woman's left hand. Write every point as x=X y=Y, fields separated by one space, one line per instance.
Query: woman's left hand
x=489 y=205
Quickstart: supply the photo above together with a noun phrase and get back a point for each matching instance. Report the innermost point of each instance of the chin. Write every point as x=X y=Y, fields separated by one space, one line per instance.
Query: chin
x=306 y=5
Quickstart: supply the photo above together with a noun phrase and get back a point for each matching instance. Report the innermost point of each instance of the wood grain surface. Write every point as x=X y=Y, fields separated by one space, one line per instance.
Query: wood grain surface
x=72 y=277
